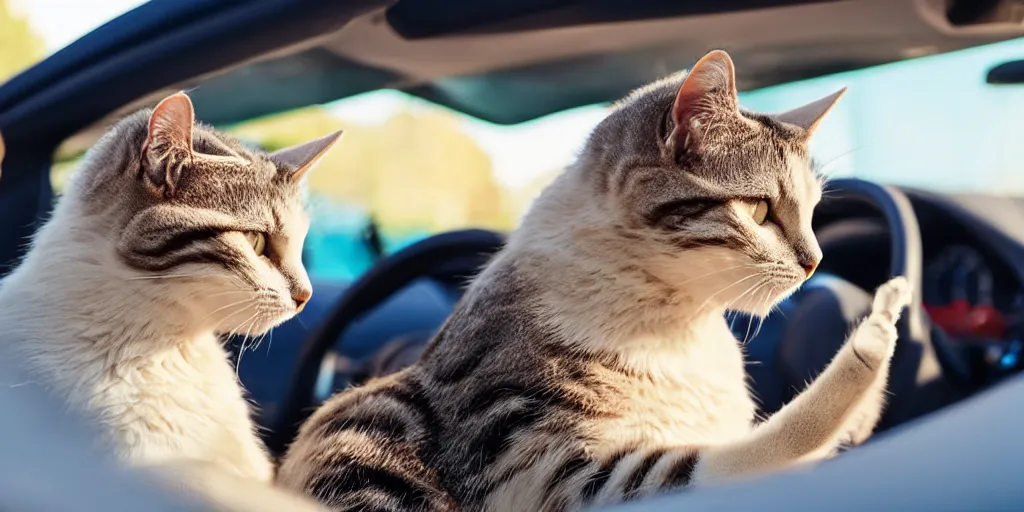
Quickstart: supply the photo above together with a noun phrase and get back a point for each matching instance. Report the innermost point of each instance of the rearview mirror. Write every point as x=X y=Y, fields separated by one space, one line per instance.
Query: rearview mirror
x=1007 y=73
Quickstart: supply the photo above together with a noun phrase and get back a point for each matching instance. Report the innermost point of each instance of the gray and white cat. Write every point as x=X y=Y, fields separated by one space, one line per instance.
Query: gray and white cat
x=590 y=363
x=170 y=234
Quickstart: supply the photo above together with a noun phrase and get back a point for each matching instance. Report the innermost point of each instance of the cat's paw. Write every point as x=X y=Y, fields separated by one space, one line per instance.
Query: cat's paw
x=891 y=298
x=874 y=340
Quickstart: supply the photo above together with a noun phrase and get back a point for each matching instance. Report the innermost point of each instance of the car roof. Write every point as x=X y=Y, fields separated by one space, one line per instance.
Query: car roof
x=503 y=61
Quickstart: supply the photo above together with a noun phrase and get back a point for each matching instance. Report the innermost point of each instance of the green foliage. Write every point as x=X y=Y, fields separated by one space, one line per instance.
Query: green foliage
x=19 y=46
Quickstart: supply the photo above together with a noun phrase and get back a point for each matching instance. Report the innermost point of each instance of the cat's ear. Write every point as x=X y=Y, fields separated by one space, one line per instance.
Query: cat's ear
x=298 y=160
x=810 y=115
x=708 y=93
x=168 y=145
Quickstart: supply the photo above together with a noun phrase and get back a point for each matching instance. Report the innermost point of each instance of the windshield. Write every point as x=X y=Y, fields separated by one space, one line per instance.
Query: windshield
x=408 y=169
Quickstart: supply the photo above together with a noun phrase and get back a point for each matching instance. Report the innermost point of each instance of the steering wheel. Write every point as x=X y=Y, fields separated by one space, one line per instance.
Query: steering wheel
x=925 y=370
x=453 y=257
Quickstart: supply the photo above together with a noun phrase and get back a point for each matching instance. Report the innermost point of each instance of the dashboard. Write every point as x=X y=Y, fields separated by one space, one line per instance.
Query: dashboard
x=973 y=269
x=973 y=260
x=973 y=278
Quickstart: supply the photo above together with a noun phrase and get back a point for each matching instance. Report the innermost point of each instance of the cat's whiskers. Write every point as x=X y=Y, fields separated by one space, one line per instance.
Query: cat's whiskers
x=248 y=333
x=226 y=292
x=713 y=295
x=270 y=339
x=766 y=301
x=256 y=344
x=717 y=271
x=246 y=301
x=240 y=307
x=221 y=294
x=730 y=313
x=731 y=302
x=750 y=319
x=175 y=276
x=751 y=290
x=778 y=309
x=768 y=306
x=234 y=330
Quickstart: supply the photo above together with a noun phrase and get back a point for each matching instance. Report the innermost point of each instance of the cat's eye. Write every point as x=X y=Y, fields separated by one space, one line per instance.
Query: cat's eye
x=759 y=211
x=258 y=242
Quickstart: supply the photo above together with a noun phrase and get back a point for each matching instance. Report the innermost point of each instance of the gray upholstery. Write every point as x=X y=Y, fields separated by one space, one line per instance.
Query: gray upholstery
x=47 y=463
x=967 y=457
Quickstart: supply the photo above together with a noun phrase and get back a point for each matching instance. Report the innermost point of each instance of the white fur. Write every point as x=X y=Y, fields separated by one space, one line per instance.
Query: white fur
x=108 y=343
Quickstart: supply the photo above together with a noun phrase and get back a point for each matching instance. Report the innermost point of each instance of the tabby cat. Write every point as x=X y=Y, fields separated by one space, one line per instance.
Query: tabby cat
x=590 y=363
x=169 y=234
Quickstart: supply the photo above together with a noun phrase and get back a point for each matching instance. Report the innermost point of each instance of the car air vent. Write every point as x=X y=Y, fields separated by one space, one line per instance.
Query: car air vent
x=1007 y=73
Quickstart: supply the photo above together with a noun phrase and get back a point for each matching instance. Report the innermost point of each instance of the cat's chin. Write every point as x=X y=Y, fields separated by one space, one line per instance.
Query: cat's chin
x=253 y=325
x=763 y=303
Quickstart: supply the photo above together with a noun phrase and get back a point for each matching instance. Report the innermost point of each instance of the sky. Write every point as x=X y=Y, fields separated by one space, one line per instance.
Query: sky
x=60 y=22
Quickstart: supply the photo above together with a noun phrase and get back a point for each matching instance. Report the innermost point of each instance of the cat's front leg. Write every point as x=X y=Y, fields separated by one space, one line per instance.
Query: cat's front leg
x=847 y=394
x=876 y=331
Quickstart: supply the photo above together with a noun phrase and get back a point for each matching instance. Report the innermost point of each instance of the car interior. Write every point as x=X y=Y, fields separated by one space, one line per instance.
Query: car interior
x=948 y=434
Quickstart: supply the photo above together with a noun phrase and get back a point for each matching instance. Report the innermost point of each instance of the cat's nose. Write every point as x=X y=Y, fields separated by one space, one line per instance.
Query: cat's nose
x=808 y=258
x=809 y=264
x=809 y=269
x=301 y=297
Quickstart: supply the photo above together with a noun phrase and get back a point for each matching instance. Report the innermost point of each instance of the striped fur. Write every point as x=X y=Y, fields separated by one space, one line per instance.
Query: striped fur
x=590 y=363
x=147 y=258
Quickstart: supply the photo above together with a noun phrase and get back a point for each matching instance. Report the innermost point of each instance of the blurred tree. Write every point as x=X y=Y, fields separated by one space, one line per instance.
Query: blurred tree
x=19 y=46
x=415 y=172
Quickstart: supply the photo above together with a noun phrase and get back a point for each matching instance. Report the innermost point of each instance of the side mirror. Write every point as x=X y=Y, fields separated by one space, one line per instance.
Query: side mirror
x=1007 y=73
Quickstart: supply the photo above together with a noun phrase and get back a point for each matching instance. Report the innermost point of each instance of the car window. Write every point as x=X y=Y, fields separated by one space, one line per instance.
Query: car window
x=407 y=169
x=931 y=123
x=31 y=30
x=411 y=169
